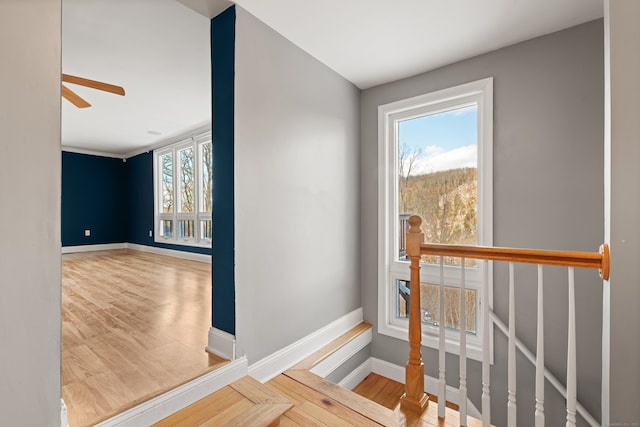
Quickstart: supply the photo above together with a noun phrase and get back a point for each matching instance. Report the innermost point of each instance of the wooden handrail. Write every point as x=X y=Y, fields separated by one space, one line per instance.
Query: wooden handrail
x=599 y=260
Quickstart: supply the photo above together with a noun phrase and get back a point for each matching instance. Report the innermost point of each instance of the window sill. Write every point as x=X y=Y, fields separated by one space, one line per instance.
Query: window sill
x=452 y=346
x=183 y=243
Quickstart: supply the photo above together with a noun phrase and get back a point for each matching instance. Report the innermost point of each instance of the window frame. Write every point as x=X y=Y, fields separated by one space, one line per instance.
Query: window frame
x=390 y=269
x=195 y=143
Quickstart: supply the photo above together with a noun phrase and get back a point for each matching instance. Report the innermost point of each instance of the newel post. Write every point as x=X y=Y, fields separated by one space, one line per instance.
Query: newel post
x=414 y=398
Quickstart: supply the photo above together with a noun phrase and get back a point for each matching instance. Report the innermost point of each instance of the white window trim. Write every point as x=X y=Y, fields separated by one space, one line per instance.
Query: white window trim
x=194 y=143
x=480 y=92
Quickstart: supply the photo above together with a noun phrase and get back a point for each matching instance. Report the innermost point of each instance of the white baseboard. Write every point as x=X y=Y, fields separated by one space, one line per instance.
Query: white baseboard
x=221 y=344
x=397 y=373
x=357 y=375
x=344 y=353
x=283 y=359
x=64 y=420
x=166 y=404
x=91 y=248
x=170 y=252
x=192 y=256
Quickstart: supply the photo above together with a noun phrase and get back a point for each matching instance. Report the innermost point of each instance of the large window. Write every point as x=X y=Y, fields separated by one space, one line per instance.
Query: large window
x=435 y=160
x=183 y=185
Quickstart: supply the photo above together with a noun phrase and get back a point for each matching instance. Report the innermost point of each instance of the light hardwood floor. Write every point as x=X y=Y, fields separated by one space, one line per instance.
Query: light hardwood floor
x=387 y=392
x=134 y=325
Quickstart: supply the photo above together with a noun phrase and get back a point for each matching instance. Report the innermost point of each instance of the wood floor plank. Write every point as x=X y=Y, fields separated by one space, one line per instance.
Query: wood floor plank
x=302 y=418
x=258 y=416
x=257 y=392
x=82 y=401
x=224 y=418
x=285 y=421
x=378 y=389
x=323 y=415
x=204 y=409
x=366 y=407
x=300 y=394
x=80 y=363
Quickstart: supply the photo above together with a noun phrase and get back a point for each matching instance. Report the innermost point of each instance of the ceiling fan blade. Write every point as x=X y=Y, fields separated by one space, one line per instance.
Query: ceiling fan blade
x=74 y=98
x=93 y=84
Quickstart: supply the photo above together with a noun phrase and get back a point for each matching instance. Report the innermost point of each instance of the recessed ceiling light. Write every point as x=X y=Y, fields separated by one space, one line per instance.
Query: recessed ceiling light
x=154 y=132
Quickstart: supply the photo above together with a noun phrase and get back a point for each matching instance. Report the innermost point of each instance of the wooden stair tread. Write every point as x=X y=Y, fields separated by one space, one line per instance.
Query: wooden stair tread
x=245 y=402
x=257 y=392
x=266 y=415
x=353 y=401
x=305 y=397
x=332 y=347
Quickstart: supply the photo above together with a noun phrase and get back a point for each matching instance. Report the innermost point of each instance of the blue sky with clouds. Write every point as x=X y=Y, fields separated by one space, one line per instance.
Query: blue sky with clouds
x=445 y=140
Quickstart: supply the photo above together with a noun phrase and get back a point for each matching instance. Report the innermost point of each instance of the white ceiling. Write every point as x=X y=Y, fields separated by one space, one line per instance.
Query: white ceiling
x=159 y=51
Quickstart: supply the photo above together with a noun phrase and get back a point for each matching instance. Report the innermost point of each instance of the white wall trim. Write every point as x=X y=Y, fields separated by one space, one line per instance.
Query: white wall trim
x=91 y=248
x=93 y=152
x=64 y=420
x=283 y=359
x=192 y=256
x=343 y=354
x=357 y=375
x=397 y=373
x=221 y=343
x=168 y=403
x=170 y=252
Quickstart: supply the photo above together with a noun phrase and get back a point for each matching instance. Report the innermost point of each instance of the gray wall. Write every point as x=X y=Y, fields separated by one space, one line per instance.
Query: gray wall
x=548 y=194
x=623 y=228
x=350 y=365
x=296 y=191
x=30 y=41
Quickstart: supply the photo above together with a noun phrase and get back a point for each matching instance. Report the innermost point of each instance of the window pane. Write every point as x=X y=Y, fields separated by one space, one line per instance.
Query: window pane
x=430 y=305
x=186 y=182
x=206 y=232
x=166 y=162
x=206 y=189
x=437 y=177
x=166 y=228
x=186 y=229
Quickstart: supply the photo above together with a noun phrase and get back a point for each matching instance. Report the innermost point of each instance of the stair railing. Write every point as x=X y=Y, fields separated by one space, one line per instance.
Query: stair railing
x=416 y=399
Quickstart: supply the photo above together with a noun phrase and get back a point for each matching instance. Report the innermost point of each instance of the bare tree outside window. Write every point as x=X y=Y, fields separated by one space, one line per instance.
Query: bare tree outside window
x=167 y=183
x=187 y=202
x=207 y=177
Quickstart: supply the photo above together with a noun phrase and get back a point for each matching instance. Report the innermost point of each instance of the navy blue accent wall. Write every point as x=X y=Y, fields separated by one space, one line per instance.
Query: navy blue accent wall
x=93 y=198
x=140 y=194
x=140 y=201
x=222 y=84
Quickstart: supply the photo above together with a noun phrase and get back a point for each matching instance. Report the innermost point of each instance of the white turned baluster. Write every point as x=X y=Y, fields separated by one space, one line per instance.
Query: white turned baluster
x=571 y=354
x=442 y=382
x=486 y=363
x=511 y=404
x=539 y=414
x=463 y=347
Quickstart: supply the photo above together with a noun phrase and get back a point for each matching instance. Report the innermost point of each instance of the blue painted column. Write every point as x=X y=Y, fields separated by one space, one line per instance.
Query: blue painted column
x=222 y=84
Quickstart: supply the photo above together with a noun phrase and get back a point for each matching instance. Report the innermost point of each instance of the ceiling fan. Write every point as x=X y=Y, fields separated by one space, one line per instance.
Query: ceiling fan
x=79 y=102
